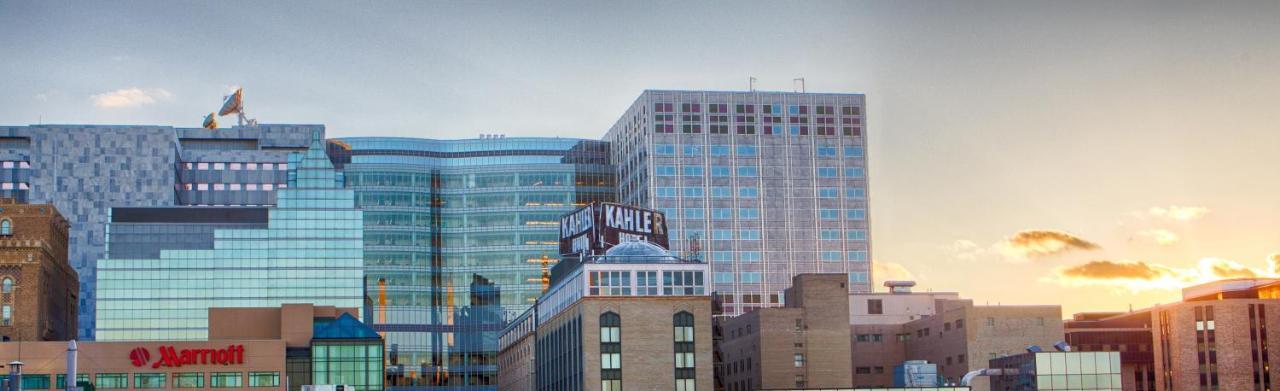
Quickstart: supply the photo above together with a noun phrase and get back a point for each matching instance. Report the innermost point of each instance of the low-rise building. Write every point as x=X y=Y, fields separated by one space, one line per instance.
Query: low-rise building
x=634 y=318
x=1126 y=333
x=799 y=345
x=38 y=287
x=1218 y=337
x=804 y=344
x=248 y=348
x=962 y=337
x=1064 y=370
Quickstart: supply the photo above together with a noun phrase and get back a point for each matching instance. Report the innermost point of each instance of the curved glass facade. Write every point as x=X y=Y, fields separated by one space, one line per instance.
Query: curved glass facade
x=456 y=236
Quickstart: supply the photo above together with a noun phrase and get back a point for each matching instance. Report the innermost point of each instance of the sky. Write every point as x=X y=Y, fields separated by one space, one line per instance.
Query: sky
x=1098 y=155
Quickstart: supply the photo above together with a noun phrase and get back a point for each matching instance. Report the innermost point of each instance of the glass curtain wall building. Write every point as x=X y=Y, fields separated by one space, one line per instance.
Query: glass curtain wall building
x=457 y=233
x=311 y=251
x=85 y=170
x=763 y=185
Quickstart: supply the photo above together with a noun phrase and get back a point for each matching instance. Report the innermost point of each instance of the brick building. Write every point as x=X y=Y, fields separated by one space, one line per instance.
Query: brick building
x=38 y=287
x=802 y=345
x=1217 y=337
x=1127 y=333
x=636 y=318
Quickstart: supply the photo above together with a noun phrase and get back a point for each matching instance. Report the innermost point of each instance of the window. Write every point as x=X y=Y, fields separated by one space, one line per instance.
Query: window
x=827 y=172
x=665 y=170
x=749 y=256
x=856 y=234
x=664 y=150
x=62 y=380
x=724 y=277
x=853 y=152
x=826 y=151
x=646 y=283
x=692 y=170
x=148 y=380
x=695 y=213
x=875 y=307
x=748 y=213
x=35 y=382
x=6 y=315
x=856 y=214
x=665 y=192
x=721 y=234
x=748 y=192
x=799 y=360
x=831 y=256
x=828 y=192
x=226 y=380
x=685 y=374
x=991 y=322
x=858 y=277
x=855 y=192
x=693 y=192
x=858 y=256
x=721 y=171
x=7 y=285
x=854 y=172
x=719 y=150
x=829 y=214
x=749 y=171
x=749 y=277
x=721 y=192
x=188 y=380
x=6 y=227
x=264 y=379
x=682 y=283
x=830 y=234
x=111 y=380
x=747 y=150
x=749 y=234
x=722 y=213
x=609 y=283
x=610 y=351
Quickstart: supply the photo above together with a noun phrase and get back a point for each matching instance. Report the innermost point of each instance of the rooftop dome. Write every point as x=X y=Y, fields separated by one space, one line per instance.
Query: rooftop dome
x=638 y=249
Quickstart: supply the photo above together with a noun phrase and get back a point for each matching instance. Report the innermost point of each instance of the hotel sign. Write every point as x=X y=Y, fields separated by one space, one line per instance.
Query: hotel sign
x=174 y=358
x=595 y=228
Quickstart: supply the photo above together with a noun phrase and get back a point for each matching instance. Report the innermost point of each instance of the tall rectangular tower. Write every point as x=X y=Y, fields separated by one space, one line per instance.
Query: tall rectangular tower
x=764 y=185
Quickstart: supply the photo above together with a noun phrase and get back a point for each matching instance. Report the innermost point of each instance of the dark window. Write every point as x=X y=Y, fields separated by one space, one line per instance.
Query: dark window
x=875 y=307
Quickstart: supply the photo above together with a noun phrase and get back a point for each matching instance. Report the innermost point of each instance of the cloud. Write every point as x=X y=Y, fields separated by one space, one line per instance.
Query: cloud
x=1177 y=213
x=1136 y=276
x=1037 y=243
x=1162 y=237
x=890 y=271
x=129 y=97
x=966 y=250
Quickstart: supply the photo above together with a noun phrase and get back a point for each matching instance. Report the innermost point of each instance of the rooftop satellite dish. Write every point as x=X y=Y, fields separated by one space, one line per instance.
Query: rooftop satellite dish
x=234 y=103
x=210 y=121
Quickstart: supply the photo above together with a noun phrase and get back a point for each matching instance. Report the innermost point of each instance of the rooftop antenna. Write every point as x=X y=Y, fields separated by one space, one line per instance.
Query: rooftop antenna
x=234 y=103
x=798 y=82
x=751 y=84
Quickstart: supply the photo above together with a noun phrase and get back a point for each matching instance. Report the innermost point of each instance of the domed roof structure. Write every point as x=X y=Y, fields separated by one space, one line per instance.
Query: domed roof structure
x=645 y=250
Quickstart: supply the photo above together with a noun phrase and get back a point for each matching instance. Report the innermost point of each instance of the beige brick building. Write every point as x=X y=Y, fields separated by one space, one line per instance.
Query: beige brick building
x=1218 y=337
x=640 y=321
x=963 y=337
x=38 y=288
x=824 y=339
x=802 y=345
